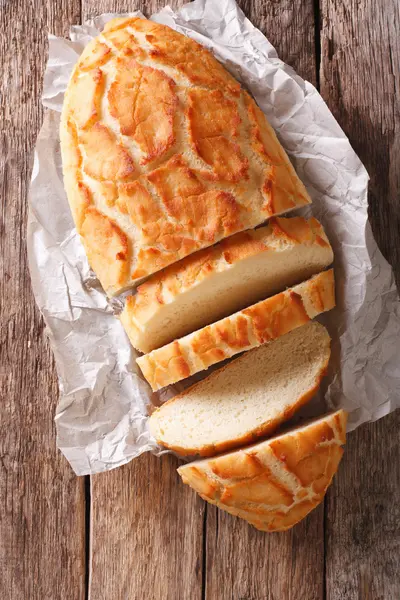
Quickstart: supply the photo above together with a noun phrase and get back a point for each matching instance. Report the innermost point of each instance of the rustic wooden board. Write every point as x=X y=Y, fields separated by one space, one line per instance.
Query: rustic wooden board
x=146 y=533
x=147 y=530
x=243 y=563
x=290 y=27
x=240 y=561
x=42 y=515
x=362 y=529
x=151 y=537
x=91 y=8
x=360 y=80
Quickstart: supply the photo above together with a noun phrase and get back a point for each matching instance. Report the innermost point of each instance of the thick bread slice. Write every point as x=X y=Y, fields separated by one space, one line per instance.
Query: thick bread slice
x=246 y=329
x=248 y=398
x=218 y=281
x=164 y=153
x=276 y=483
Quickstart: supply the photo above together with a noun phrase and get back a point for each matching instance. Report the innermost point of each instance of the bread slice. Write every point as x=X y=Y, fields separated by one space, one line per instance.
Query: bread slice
x=237 y=272
x=164 y=153
x=276 y=483
x=248 y=398
x=246 y=329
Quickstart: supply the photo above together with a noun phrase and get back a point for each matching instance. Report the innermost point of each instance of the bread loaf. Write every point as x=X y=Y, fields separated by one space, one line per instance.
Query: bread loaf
x=246 y=329
x=218 y=281
x=276 y=483
x=248 y=398
x=163 y=152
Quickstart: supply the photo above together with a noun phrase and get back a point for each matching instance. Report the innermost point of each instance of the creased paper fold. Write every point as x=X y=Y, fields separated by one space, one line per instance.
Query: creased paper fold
x=102 y=412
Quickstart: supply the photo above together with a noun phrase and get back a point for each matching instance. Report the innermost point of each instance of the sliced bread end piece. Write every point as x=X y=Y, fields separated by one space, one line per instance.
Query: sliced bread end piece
x=273 y=484
x=246 y=399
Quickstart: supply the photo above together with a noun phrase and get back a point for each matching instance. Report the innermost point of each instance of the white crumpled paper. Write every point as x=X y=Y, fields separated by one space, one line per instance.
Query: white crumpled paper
x=102 y=413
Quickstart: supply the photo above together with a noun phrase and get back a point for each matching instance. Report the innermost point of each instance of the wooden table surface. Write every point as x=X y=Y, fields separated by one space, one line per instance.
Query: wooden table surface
x=136 y=532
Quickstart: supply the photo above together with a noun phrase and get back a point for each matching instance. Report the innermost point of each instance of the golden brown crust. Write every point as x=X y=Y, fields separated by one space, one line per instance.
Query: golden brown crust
x=104 y=158
x=205 y=215
x=96 y=54
x=275 y=483
x=82 y=201
x=146 y=104
x=323 y=296
x=189 y=58
x=249 y=328
x=284 y=312
x=214 y=127
x=98 y=230
x=170 y=359
x=281 y=187
x=149 y=124
x=90 y=86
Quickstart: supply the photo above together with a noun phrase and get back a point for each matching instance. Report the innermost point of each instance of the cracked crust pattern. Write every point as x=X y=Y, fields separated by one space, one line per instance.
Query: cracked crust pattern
x=168 y=148
x=276 y=483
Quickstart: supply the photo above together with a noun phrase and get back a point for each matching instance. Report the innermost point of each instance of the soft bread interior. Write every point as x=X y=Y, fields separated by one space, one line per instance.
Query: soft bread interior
x=224 y=293
x=225 y=290
x=244 y=330
x=247 y=398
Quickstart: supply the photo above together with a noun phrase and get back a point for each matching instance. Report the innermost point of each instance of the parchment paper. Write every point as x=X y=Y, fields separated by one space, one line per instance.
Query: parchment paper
x=102 y=412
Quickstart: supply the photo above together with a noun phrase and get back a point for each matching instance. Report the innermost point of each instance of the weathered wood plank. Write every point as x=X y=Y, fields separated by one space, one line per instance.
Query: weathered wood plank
x=153 y=548
x=244 y=563
x=42 y=548
x=146 y=532
x=156 y=543
x=241 y=562
x=360 y=80
x=91 y=8
x=289 y=26
x=363 y=517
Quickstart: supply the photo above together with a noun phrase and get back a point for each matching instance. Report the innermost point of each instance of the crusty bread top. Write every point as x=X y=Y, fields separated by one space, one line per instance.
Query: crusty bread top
x=248 y=328
x=275 y=483
x=164 y=153
x=163 y=288
x=247 y=398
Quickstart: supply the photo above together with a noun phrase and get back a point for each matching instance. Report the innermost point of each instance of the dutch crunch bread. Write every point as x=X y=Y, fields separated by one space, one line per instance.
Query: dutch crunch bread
x=248 y=398
x=164 y=153
x=246 y=329
x=276 y=483
x=224 y=278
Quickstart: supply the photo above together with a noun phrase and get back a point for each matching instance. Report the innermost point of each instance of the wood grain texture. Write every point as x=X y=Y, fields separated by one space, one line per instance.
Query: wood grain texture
x=42 y=550
x=360 y=81
x=146 y=535
x=246 y=564
x=92 y=8
x=363 y=517
x=240 y=561
x=290 y=27
x=146 y=530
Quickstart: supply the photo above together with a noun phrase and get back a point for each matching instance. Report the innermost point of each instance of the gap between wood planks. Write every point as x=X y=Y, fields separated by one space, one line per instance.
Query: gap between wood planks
x=204 y=555
x=317 y=36
x=88 y=501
